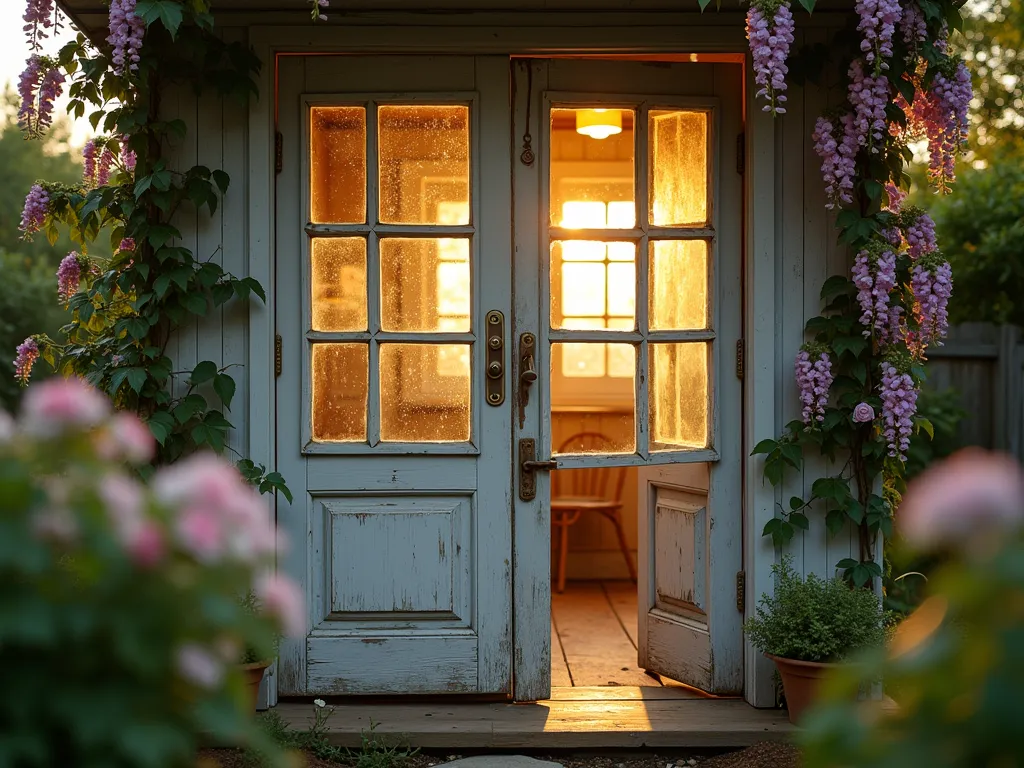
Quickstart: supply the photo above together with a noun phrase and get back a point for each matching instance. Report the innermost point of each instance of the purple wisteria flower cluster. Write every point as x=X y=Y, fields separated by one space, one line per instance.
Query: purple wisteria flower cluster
x=40 y=16
x=919 y=231
x=931 y=283
x=126 y=33
x=878 y=20
x=69 y=276
x=317 y=5
x=899 y=404
x=770 y=30
x=27 y=354
x=99 y=160
x=941 y=114
x=37 y=206
x=913 y=26
x=874 y=274
x=813 y=368
x=39 y=86
x=869 y=97
x=839 y=158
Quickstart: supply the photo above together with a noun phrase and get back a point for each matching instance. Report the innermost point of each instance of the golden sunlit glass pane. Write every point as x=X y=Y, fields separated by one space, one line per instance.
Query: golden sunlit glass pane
x=424 y=393
x=678 y=395
x=424 y=164
x=337 y=165
x=592 y=168
x=424 y=284
x=339 y=283
x=340 y=388
x=678 y=285
x=678 y=162
x=592 y=279
x=622 y=289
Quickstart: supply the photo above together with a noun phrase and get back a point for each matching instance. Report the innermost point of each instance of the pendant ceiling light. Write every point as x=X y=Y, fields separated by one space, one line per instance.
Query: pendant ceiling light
x=599 y=123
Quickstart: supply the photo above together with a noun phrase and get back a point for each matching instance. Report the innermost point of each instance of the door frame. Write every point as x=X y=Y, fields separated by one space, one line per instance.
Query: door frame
x=524 y=34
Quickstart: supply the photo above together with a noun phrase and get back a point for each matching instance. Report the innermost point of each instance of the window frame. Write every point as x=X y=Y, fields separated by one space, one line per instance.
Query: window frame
x=642 y=235
x=373 y=231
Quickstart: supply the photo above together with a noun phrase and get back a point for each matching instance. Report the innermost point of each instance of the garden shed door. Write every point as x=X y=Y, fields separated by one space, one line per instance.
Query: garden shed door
x=628 y=232
x=393 y=303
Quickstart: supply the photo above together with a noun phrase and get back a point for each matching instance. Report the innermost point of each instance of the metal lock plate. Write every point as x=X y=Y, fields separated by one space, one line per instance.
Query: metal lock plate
x=495 y=362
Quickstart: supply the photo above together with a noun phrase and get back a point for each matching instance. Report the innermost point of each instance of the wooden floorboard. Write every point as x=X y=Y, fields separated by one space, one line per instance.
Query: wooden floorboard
x=622 y=596
x=623 y=693
x=559 y=669
x=683 y=723
x=597 y=648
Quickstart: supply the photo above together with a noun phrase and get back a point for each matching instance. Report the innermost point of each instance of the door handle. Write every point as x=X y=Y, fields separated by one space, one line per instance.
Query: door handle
x=527 y=372
x=529 y=466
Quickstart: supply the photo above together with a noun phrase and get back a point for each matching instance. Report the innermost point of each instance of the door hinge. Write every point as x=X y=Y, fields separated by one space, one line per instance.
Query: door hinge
x=740 y=358
x=278 y=152
x=741 y=154
x=741 y=591
x=278 y=353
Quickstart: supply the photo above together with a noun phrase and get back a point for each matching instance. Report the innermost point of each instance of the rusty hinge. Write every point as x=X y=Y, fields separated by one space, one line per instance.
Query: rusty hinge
x=741 y=154
x=740 y=358
x=278 y=354
x=741 y=591
x=278 y=152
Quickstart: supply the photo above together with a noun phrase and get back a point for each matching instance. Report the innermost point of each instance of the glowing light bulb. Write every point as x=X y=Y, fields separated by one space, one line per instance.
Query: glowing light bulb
x=599 y=123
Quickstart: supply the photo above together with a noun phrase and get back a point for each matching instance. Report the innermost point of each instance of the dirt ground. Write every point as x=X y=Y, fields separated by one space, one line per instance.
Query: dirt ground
x=764 y=755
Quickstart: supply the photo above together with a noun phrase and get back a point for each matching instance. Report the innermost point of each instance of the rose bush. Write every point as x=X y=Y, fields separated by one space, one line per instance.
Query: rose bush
x=120 y=615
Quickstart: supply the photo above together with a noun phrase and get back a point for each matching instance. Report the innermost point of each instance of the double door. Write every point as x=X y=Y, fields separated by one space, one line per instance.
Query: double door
x=467 y=247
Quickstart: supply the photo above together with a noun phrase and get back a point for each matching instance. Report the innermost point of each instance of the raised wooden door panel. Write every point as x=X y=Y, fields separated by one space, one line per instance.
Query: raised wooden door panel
x=393 y=232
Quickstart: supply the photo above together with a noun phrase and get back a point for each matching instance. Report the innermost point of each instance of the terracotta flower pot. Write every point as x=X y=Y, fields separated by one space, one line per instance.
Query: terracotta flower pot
x=253 y=674
x=800 y=681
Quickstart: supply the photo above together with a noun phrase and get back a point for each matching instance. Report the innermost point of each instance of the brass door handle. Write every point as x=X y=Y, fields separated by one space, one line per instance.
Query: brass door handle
x=540 y=466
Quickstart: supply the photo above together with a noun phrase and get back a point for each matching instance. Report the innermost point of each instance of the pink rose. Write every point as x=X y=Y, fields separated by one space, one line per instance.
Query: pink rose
x=199 y=666
x=57 y=405
x=972 y=491
x=863 y=413
x=200 y=532
x=282 y=599
x=126 y=439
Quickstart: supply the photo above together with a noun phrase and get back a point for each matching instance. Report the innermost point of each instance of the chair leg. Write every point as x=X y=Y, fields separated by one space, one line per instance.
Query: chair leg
x=630 y=566
x=563 y=555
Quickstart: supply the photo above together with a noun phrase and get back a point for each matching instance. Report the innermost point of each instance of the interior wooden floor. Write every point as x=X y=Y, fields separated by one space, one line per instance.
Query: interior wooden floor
x=594 y=636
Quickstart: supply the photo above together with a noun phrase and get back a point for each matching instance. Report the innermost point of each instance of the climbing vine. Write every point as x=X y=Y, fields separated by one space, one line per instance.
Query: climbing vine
x=860 y=373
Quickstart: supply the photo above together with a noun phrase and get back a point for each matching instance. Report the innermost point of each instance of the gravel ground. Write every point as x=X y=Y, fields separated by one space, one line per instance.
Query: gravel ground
x=764 y=755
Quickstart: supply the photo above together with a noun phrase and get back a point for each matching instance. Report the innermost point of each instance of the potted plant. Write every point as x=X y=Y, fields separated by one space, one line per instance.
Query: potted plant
x=253 y=664
x=809 y=626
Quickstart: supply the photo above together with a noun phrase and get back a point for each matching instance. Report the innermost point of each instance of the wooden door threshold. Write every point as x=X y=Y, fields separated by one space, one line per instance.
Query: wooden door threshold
x=592 y=718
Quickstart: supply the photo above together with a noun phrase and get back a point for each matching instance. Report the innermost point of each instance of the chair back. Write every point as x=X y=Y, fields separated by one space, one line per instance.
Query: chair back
x=591 y=482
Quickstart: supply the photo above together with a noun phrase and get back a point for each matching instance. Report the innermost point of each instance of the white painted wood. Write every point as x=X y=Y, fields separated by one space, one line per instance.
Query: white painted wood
x=401 y=544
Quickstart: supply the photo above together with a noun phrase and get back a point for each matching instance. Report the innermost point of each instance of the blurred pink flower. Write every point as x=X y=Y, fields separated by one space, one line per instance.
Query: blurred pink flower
x=147 y=547
x=126 y=438
x=57 y=405
x=282 y=599
x=972 y=491
x=203 y=478
x=199 y=666
x=863 y=413
x=141 y=537
x=200 y=532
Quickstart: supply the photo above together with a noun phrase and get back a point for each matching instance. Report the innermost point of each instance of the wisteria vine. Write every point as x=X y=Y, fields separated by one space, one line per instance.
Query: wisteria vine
x=903 y=83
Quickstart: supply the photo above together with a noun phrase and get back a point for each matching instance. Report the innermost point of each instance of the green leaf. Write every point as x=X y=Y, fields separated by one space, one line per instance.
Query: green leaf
x=765 y=446
x=925 y=424
x=852 y=344
x=808 y=5
x=855 y=511
x=161 y=424
x=224 y=386
x=792 y=454
x=203 y=372
x=189 y=407
x=194 y=303
x=837 y=285
x=835 y=521
x=847 y=563
x=795 y=503
x=161 y=234
x=773 y=468
x=137 y=378
x=169 y=13
x=222 y=180
x=799 y=520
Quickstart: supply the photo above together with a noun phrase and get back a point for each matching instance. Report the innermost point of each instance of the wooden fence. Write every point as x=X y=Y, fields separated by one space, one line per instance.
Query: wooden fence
x=984 y=363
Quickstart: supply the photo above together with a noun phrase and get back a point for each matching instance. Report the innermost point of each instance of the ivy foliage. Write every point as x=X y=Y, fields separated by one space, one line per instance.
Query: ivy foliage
x=130 y=306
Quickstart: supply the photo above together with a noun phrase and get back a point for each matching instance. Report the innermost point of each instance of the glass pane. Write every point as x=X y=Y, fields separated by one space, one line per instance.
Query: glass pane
x=679 y=395
x=339 y=283
x=424 y=164
x=592 y=279
x=340 y=387
x=592 y=168
x=678 y=161
x=678 y=285
x=424 y=284
x=337 y=164
x=617 y=435
x=424 y=393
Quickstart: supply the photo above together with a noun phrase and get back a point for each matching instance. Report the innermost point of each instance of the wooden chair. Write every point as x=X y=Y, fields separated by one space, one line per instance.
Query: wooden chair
x=595 y=489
